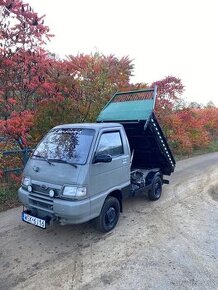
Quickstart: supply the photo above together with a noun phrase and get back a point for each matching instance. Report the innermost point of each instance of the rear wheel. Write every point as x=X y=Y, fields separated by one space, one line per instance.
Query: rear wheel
x=156 y=189
x=109 y=215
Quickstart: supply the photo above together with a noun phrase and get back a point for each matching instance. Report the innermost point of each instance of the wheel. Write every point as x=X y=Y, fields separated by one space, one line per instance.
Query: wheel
x=156 y=189
x=109 y=215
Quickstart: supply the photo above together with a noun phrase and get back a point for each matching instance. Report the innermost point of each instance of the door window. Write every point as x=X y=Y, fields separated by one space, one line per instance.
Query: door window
x=110 y=143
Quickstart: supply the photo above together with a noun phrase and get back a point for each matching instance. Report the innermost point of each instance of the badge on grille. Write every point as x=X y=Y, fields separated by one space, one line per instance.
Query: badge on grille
x=36 y=168
x=44 y=187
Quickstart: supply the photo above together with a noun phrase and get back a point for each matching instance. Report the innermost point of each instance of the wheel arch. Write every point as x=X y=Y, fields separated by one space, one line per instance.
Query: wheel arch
x=117 y=194
x=152 y=175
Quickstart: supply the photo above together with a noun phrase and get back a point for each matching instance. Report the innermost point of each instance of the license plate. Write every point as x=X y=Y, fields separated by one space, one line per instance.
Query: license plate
x=33 y=220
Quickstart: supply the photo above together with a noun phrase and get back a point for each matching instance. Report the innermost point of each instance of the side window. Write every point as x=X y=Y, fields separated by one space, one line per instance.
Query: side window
x=110 y=143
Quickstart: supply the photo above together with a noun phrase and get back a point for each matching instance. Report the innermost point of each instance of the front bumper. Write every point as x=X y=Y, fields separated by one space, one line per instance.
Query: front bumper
x=65 y=211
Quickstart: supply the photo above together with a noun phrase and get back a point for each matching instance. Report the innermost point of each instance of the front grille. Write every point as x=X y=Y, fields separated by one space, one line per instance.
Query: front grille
x=40 y=189
x=39 y=202
x=39 y=197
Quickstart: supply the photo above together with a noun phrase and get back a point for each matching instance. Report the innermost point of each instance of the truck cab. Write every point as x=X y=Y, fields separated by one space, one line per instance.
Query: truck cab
x=82 y=172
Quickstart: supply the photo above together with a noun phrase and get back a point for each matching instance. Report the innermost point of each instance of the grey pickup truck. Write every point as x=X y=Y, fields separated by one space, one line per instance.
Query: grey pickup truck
x=82 y=172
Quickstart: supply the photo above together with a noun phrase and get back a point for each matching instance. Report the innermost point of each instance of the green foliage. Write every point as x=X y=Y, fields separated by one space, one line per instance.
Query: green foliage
x=213 y=146
x=51 y=114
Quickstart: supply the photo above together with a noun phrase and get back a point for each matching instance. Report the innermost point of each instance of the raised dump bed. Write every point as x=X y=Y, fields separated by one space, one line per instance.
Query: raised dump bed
x=135 y=111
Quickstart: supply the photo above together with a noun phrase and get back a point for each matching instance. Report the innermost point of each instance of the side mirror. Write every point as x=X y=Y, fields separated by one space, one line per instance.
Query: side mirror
x=105 y=158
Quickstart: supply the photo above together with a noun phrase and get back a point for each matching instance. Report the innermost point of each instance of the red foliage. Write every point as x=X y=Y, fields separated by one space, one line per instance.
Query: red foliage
x=210 y=117
x=169 y=91
x=21 y=27
x=16 y=178
x=23 y=64
x=189 y=129
x=18 y=125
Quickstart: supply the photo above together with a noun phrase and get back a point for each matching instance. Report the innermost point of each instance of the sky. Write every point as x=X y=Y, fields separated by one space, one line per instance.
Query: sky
x=162 y=37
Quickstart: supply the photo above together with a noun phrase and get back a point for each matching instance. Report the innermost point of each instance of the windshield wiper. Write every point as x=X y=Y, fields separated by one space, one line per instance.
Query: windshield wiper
x=43 y=158
x=63 y=161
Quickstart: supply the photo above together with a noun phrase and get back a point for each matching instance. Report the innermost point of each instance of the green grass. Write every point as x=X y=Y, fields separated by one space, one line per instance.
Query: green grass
x=213 y=147
x=8 y=197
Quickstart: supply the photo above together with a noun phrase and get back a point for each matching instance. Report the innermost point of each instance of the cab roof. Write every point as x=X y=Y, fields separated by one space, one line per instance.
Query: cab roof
x=95 y=126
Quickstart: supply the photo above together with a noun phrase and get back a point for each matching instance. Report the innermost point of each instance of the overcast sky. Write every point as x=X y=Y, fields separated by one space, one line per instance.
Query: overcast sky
x=163 y=37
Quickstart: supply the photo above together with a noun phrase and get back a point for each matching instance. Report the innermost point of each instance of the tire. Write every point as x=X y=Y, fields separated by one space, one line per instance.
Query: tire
x=156 y=189
x=109 y=215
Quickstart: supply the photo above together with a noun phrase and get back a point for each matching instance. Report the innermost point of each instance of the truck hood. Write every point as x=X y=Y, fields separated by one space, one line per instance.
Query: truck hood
x=55 y=173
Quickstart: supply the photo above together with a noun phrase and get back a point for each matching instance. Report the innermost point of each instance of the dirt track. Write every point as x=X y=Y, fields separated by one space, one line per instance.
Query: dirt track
x=168 y=244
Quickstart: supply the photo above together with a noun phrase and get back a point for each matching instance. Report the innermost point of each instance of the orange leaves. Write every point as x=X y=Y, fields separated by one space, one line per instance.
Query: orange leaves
x=188 y=128
x=18 y=125
x=210 y=117
x=97 y=66
x=83 y=83
x=191 y=128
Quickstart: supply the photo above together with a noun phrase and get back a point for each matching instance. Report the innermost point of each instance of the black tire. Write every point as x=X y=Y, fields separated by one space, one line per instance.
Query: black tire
x=109 y=215
x=156 y=189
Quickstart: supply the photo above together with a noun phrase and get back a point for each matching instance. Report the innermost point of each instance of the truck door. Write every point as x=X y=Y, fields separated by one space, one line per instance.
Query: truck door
x=104 y=177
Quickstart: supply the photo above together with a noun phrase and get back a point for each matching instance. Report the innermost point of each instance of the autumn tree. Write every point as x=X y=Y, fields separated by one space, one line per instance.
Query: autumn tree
x=84 y=84
x=187 y=126
x=169 y=92
x=96 y=77
x=209 y=115
x=22 y=65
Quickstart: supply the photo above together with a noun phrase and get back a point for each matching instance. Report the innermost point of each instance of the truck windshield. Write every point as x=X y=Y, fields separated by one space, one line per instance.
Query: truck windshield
x=70 y=145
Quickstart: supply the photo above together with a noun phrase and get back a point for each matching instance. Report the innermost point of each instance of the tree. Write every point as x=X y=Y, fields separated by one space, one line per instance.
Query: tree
x=209 y=116
x=195 y=105
x=210 y=104
x=96 y=78
x=22 y=65
x=84 y=84
x=169 y=94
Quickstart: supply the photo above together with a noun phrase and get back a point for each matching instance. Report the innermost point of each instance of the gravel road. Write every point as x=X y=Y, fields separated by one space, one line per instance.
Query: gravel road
x=168 y=244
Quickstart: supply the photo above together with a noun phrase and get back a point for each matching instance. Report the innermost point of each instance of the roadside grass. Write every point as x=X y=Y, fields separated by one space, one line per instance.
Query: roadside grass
x=8 y=196
x=212 y=147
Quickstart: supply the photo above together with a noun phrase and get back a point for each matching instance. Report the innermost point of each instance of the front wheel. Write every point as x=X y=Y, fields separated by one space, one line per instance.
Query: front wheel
x=156 y=188
x=109 y=215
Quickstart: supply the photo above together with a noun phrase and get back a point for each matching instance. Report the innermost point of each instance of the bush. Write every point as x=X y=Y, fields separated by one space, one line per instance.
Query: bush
x=8 y=196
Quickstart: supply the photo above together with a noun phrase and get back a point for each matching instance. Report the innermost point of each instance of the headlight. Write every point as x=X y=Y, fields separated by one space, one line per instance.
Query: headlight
x=74 y=192
x=26 y=181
